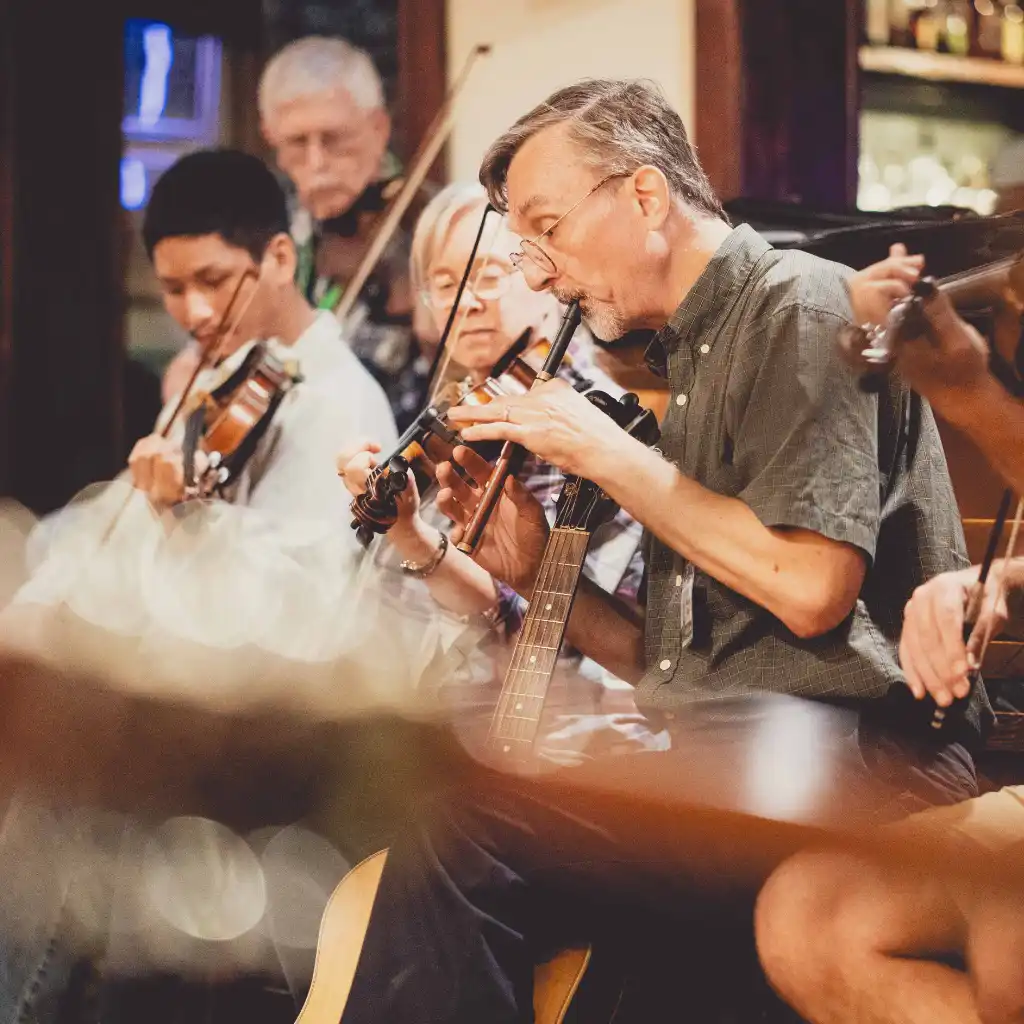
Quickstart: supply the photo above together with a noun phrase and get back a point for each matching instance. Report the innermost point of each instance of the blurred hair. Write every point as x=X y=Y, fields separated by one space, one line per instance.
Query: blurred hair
x=217 y=192
x=618 y=126
x=435 y=223
x=315 y=64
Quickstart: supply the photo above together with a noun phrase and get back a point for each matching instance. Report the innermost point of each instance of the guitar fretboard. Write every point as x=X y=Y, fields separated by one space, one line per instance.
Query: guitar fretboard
x=517 y=717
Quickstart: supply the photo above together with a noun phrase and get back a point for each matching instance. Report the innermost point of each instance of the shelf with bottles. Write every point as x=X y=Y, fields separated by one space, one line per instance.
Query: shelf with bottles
x=941 y=67
x=978 y=41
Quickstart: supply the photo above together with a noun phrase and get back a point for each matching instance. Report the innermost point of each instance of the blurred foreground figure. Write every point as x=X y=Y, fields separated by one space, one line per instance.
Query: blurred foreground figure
x=848 y=939
x=789 y=521
x=200 y=595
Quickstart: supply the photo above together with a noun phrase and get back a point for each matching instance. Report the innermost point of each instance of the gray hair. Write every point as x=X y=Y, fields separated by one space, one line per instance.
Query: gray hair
x=315 y=64
x=439 y=216
x=618 y=126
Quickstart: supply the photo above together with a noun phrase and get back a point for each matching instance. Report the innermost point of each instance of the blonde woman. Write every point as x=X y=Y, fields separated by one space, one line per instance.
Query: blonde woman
x=587 y=708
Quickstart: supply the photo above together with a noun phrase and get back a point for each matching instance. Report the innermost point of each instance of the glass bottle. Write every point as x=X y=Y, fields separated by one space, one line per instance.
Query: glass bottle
x=877 y=24
x=900 y=33
x=988 y=35
x=957 y=25
x=1013 y=34
x=927 y=26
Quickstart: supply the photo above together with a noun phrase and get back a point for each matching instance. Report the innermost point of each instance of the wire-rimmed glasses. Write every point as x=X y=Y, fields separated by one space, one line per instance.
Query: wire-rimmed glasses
x=530 y=246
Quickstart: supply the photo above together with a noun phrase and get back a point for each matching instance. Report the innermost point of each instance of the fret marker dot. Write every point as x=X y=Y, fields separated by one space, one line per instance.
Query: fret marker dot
x=533 y=657
x=519 y=706
x=505 y=749
x=547 y=607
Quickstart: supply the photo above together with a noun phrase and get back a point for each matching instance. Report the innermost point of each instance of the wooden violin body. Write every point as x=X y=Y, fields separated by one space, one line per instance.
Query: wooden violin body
x=872 y=348
x=429 y=441
x=227 y=423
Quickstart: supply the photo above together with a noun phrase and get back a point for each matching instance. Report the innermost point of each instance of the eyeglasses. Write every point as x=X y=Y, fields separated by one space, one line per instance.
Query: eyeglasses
x=532 y=250
x=334 y=144
x=486 y=287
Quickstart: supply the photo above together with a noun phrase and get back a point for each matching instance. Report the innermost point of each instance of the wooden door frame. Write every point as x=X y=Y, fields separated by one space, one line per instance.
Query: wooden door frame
x=778 y=99
x=422 y=73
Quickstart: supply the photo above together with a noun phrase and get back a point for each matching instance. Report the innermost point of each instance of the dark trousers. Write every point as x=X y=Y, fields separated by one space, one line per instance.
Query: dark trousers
x=501 y=870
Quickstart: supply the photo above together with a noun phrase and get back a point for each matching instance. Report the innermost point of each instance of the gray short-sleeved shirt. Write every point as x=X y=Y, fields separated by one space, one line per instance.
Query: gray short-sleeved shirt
x=762 y=410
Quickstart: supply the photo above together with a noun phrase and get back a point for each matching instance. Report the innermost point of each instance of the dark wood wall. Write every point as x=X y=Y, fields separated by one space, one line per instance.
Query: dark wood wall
x=62 y=361
x=777 y=99
x=61 y=355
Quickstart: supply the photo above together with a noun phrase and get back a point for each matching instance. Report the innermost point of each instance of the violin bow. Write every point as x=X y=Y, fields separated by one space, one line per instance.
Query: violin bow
x=448 y=344
x=210 y=356
x=977 y=599
x=226 y=329
x=435 y=137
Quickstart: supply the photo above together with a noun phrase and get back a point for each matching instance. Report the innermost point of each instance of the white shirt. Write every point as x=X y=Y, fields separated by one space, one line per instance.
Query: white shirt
x=337 y=403
x=289 y=532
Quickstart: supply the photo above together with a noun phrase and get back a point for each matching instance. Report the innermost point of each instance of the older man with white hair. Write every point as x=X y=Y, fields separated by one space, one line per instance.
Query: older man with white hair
x=322 y=109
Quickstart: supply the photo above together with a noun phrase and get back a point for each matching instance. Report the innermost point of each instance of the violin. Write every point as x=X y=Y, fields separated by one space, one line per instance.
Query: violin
x=381 y=226
x=226 y=424
x=430 y=441
x=872 y=348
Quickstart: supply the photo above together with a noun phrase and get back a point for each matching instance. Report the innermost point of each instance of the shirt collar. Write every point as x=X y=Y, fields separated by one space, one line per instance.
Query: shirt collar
x=711 y=297
x=318 y=347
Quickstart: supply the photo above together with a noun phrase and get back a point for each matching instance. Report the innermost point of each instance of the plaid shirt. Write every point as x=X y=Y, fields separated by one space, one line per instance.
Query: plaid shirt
x=762 y=410
x=587 y=707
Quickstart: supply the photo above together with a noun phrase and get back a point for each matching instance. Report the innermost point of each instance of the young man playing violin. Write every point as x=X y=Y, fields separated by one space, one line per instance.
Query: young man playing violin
x=588 y=708
x=789 y=523
x=841 y=937
x=212 y=218
x=322 y=112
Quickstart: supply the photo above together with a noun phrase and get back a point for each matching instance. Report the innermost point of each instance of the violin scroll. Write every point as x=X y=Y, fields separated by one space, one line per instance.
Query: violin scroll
x=871 y=349
x=375 y=510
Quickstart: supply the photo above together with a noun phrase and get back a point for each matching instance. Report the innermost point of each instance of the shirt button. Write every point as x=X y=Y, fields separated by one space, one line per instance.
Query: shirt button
x=679 y=581
x=665 y=665
x=680 y=399
x=705 y=349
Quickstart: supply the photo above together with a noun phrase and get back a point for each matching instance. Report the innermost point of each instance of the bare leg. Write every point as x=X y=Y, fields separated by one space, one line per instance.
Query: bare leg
x=842 y=940
x=995 y=953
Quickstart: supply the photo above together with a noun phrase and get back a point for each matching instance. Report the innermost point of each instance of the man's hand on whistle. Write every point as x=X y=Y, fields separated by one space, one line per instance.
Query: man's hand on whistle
x=555 y=423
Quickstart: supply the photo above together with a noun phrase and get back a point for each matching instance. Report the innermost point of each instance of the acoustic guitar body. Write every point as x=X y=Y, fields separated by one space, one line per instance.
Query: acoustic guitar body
x=559 y=993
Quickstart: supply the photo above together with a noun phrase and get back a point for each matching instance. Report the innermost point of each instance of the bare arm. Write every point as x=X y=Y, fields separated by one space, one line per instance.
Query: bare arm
x=607 y=630
x=949 y=367
x=993 y=419
x=806 y=580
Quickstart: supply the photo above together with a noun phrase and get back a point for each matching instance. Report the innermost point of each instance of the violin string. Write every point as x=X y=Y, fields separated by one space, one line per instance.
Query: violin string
x=427 y=152
x=977 y=273
x=1002 y=569
x=211 y=354
x=215 y=350
x=462 y=311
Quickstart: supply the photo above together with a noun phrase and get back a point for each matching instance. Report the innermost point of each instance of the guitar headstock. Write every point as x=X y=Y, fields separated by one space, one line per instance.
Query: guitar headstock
x=582 y=505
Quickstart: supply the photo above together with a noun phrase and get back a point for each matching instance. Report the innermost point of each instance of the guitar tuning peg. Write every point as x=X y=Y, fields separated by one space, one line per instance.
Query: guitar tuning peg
x=630 y=400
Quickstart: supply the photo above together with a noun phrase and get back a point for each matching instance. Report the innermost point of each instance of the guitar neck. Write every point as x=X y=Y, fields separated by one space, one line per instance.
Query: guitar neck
x=517 y=717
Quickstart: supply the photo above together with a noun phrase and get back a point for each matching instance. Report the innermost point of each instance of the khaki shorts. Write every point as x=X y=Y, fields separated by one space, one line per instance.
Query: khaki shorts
x=994 y=821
